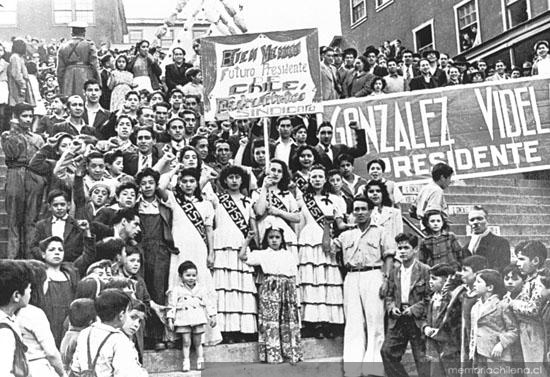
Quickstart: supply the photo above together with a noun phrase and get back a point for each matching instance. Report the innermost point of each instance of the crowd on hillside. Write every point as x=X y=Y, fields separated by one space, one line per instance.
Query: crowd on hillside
x=135 y=224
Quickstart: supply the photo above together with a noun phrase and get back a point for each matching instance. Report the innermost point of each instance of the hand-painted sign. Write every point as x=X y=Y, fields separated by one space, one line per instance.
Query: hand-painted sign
x=261 y=75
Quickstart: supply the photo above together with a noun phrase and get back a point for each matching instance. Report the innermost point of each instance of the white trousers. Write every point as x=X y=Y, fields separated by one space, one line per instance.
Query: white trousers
x=364 y=329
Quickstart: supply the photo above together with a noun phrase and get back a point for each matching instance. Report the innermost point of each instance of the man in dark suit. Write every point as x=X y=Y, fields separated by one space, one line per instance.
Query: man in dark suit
x=409 y=69
x=147 y=154
x=75 y=124
x=104 y=74
x=425 y=79
x=437 y=73
x=406 y=303
x=94 y=115
x=328 y=153
x=59 y=224
x=483 y=242
x=175 y=72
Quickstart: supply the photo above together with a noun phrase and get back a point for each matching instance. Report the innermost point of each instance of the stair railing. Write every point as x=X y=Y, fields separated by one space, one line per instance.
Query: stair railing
x=414 y=227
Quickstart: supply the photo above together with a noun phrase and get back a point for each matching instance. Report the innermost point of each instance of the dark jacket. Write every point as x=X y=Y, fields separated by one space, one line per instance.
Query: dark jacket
x=496 y=249
x=419 y=293
x=418 y=83
x=176 y=75
x=101 y=118
x=131 y=160
x=73 y=238
x=337 y=149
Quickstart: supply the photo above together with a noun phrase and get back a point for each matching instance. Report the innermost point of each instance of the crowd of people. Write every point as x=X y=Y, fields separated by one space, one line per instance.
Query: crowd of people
x=135 y=224
x=392 y=68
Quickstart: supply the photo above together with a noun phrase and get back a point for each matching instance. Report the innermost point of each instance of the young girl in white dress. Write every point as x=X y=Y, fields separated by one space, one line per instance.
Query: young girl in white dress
x=233 y=279
x=190 y=308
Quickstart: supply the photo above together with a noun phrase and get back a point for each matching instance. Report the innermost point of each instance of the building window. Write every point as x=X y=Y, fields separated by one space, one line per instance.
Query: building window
x=168 y=39
x=66 y=11
x=424 y=37
x=135 y=36
x=8 y=13
x=358 y=11
x=516 y=12
x=381 y=4
x=467 y=24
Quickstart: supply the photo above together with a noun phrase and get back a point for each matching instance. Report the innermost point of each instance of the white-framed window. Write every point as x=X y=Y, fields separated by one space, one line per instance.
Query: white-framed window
x=66 y=11
x=358 y=11
x=8 y=13
x=135 y=36
x=515 y=12
x=167 y=39
x=467 y=25
x=381 y=4
x=423 y=36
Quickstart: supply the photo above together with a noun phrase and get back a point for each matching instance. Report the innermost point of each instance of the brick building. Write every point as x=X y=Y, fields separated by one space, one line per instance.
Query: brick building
x=48 y=19
x=473 y=29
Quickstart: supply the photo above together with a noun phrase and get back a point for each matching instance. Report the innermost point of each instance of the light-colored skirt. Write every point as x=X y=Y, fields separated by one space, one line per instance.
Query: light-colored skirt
x=143 y=82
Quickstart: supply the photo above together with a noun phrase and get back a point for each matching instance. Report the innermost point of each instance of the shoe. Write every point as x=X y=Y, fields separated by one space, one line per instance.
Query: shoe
x=160 y=347
x=200 y=363
x=186 y=365
x=170 y=345
x=319 y=333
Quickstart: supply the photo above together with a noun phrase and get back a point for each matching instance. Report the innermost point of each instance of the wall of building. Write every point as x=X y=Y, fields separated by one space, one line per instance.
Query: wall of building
x=398 y=19
x=35 y=18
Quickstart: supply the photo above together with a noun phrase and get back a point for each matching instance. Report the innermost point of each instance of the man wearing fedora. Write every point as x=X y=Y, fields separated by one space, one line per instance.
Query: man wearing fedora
x=437 y=73
x=371 y=53
x=77 y=61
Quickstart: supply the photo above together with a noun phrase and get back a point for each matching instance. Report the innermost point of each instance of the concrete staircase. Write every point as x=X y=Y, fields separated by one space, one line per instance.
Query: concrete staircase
x=3 y=215
x=519 y=209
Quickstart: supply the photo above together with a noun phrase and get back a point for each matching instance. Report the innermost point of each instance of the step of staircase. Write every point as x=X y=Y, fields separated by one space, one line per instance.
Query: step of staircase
x=225 y=354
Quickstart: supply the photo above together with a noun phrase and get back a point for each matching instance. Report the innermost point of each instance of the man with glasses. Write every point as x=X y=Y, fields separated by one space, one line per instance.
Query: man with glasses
x=147 y=153
x=483 y=242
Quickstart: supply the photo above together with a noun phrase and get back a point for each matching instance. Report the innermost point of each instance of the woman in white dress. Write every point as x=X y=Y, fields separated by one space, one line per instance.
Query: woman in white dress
x=233 y=279
x=321 y=284
x=192 y=222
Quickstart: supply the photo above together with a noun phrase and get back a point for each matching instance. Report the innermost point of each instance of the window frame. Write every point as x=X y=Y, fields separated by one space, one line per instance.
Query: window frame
x=382 y=6
x=505 y=12
x=14 y=11
x=74 y=10
x=353 y=24
x=422 y=26
x=457 y=26
x=130 y=30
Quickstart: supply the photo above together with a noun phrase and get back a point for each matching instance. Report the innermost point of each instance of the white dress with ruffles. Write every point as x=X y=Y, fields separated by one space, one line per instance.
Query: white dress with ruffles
x=321 y=284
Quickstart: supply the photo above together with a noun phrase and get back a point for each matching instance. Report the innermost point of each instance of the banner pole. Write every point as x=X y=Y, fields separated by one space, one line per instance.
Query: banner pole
x=266 y=144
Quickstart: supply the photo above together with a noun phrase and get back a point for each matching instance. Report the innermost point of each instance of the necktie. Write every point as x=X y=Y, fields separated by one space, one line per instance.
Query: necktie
x=145 y=161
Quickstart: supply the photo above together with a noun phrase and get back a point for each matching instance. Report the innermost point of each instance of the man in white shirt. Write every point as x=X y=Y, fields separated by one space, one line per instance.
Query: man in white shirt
x=284 y=146
x=394 y=82
x=431 y=196
x=176 y=129
x=95 y=115
x=147 y=154
x=117 y=355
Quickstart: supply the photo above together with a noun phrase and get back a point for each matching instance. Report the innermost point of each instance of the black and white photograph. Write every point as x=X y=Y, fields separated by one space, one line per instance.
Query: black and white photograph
x=312 y=188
